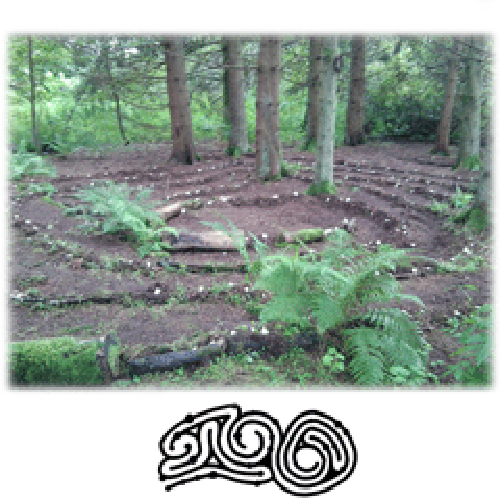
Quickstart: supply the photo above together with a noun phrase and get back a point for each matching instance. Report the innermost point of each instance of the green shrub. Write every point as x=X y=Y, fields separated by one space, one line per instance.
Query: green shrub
x=474 y=333
x=131 y=217
x=24 y=164
x=336 y=292
x=59 y=361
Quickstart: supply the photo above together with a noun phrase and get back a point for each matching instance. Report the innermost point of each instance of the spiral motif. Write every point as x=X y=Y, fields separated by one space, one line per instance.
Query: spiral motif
x=332 y=444
x=251 y=448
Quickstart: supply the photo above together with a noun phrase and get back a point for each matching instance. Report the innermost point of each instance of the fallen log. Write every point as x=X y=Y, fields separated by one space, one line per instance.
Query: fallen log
x=209 y=240
x=305 y=235
x=170 y=211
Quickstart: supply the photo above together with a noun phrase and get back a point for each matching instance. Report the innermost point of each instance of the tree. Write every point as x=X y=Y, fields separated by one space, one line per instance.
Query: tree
x=182 y=133
x=443 y=133
x=471 y=101
x=355 y=109
x=313 y=94
x=33 y=95
x=234 y=96
x=326 y=131
x=114 y=92
x=267 y=131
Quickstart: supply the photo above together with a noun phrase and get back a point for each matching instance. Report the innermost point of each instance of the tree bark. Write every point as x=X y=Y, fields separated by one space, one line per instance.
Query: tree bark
x=33 y=95
x=355 y=109
x=471 y=102
x=267 y=128
x=238 y=137
x=119 y=117
x=443 y=133
x=313 y=95
x=180 y=113
x=225 y=89
x=326 y=132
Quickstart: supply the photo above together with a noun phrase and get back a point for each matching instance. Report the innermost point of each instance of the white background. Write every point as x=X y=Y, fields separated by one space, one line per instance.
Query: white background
x=104 y=444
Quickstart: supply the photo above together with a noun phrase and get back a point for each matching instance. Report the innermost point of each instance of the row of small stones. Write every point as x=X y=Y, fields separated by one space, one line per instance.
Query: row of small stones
x=224 y=199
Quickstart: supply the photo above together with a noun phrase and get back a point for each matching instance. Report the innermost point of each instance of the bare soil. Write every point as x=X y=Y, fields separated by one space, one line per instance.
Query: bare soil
x=387 y=188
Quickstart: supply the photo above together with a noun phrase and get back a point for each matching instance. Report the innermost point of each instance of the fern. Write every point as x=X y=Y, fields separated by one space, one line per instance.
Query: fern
x=364 y=346
x=135 y=218
x=336 y=292
x=344 y=283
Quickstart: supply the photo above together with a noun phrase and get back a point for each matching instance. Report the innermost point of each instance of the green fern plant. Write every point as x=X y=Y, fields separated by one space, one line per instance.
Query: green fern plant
x=338 y=291
x=121 y=214
x=474 y=356
x=24 y=164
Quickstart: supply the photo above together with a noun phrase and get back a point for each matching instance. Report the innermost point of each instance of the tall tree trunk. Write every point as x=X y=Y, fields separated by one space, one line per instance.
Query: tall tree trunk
x=33 y=95
x=226 y=117
x=116 y=97
x=355 y=109
x=180 y=113
x=443 y=133
x=238 y=137
x=470 y=140
x=326 y=132
x=313 y=92
x=267 y=129
x=119 y=117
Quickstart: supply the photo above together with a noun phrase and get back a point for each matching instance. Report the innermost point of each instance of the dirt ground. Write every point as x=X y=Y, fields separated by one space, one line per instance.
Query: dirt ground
x=387 y=188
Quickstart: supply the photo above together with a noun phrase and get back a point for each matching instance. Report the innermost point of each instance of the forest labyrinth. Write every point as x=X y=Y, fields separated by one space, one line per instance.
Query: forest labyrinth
x=383 y=196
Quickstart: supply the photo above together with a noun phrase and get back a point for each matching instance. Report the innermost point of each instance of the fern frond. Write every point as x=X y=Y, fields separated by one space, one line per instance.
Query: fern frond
x=291 y=309
x=397 y=324
x=328 y=313
x=367 y=363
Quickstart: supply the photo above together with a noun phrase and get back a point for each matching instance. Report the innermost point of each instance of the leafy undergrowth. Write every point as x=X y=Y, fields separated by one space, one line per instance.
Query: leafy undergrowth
x=121 y=214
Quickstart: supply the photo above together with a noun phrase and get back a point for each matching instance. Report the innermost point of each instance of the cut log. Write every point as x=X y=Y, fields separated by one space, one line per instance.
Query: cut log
x=173 y=210
x=170 y=211
x=209 y=240
x=304 y=235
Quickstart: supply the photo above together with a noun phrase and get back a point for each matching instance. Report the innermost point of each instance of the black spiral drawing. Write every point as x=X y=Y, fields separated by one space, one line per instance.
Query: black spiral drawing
x=219 y=442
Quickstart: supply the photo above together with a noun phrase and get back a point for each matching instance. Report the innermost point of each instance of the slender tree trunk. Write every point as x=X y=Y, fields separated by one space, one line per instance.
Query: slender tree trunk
x=33 y=95
x=443 y=133
x=267 y=129
x=119 y=117
x=313 y=94
x=483 y=196
x=238 y=137
x=326 y=132
x=471 y=102
x=226 y=117
x=355 y=109
x=180 y=112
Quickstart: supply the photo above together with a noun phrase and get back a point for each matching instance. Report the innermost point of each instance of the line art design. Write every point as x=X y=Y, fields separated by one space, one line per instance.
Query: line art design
x=251 y=448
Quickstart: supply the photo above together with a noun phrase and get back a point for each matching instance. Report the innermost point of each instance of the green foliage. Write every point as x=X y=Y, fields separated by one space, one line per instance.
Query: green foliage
x=59 y=361
x=461 y=200
x=472 y=163
x=461 y=263
x=123 y=215
x=324 y=187
x=336 y=291
x=289 y=169
x=334 y=360
x=45 y=188
x=473 y=332
x=24 y=164
x=440 y=208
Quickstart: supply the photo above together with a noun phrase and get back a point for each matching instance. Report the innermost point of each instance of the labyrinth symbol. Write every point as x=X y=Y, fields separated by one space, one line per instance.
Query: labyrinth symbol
x=251 y=448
